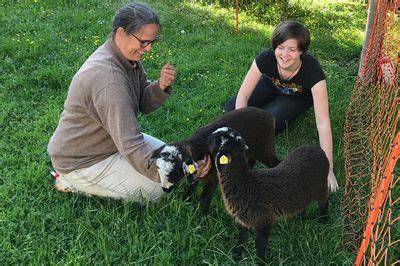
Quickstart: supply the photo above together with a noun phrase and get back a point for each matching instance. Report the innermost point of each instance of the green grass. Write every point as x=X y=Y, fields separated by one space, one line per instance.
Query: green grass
x=42 y=45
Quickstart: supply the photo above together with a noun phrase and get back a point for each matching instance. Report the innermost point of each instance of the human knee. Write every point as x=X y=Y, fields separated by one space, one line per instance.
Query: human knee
x=280 y=121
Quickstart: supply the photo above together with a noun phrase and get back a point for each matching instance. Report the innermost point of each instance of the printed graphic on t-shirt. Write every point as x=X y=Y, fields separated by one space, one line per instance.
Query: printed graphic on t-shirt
x=288 y=88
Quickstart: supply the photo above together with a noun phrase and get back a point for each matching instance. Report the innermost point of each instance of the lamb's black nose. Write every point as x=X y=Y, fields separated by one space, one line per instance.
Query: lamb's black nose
x=168 y=190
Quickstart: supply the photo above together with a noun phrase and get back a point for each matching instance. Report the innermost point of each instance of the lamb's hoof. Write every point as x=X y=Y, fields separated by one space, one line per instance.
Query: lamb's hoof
x=204 y=209
x=323 y=219
x=261 y=261
x=204 y=213
x=302 y=214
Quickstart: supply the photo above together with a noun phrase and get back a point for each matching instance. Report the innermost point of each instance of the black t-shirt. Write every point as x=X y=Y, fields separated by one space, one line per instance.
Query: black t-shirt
x=300 y=84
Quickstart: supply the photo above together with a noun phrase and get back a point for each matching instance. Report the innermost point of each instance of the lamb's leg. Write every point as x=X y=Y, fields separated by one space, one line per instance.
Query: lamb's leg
x=189 y=192
x=251 y=162
x=262 y=235
x=323 y=211
x=269 y=159
x=273 y=162
x=237 y=251
x=206 y=195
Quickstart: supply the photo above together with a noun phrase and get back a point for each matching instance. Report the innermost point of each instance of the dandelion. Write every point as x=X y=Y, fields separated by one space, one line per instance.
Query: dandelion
x=96 y=40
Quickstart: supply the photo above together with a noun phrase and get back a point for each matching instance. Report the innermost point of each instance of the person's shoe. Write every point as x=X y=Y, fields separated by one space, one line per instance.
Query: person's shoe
x=63 y=185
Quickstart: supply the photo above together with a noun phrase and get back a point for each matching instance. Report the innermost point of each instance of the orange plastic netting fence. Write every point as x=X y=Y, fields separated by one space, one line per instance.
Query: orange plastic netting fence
x=371 y=205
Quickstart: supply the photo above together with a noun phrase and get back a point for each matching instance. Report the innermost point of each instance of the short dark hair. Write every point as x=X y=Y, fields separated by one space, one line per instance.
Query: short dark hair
x=291 y=29
x=133 y=16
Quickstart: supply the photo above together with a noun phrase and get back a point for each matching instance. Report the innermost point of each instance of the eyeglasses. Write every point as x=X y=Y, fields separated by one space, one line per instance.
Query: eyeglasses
x=145 y=43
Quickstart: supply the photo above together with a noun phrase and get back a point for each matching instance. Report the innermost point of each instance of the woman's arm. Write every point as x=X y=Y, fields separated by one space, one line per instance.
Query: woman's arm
x=320 y=97
x=248 y=85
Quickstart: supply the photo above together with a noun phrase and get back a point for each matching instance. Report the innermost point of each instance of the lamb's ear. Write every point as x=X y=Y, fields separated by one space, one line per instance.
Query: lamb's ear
x=190 y=167
x=224 y=159
x=186 y=153
x=190 y=170
x=212 y=147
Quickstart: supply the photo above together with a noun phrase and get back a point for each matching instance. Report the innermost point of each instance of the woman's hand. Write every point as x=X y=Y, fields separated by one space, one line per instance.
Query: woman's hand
x=167 y=76
x=332 y=182
x=203 y=166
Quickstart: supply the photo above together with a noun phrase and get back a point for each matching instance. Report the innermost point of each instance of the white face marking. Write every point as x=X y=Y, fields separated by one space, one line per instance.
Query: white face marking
x=172 y=150
x=216 y=165
x=223 y=141
x=230 y=133
x=221 y=129
x=165 y=167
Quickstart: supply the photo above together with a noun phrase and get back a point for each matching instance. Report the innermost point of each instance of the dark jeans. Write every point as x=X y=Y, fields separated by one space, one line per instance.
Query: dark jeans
x=284 y=108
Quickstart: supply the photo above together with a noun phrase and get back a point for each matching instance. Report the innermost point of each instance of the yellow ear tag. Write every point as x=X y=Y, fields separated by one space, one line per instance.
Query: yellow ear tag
x=223 y=159
x=191 y=169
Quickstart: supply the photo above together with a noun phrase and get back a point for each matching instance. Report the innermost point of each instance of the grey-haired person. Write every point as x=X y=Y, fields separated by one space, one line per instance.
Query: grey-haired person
x=286 y=81
x=97 y=147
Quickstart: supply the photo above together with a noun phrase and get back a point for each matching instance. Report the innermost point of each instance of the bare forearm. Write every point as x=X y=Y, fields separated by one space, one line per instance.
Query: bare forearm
x=325 y=141
x=241 y=100
x=249 y=83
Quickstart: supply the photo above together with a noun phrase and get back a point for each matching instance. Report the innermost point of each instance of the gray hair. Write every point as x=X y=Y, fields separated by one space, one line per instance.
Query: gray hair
x=133 y=16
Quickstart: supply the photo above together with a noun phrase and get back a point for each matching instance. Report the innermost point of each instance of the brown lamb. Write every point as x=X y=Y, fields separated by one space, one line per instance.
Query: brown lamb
x=257 y=198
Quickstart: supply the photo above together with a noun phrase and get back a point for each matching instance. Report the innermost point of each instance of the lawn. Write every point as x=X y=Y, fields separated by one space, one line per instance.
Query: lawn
x=42 y=45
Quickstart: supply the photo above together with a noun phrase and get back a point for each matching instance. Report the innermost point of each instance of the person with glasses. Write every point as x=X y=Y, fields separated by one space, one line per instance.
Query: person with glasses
x=286 y=81
x=97 y=147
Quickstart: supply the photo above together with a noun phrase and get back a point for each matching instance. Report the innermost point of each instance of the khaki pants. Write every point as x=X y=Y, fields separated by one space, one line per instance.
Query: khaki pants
x=114 y=177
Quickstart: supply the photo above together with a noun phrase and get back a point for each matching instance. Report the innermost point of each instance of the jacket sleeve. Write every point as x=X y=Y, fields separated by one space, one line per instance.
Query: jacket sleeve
x=151 y=96
x=117 y=116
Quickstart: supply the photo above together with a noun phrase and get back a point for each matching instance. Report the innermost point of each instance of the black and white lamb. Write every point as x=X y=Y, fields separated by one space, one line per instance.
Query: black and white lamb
x=177 y=159
x=257 y=198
